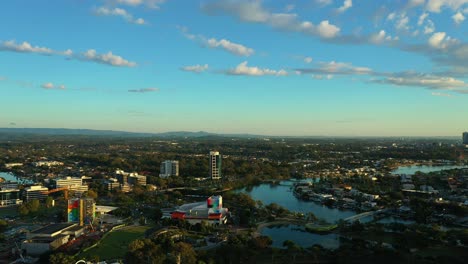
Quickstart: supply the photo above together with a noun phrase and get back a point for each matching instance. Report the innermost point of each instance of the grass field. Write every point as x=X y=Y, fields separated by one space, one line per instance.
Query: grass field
x=115 y=244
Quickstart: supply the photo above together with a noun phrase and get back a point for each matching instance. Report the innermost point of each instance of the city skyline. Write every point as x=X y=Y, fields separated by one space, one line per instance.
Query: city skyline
x=298 y=68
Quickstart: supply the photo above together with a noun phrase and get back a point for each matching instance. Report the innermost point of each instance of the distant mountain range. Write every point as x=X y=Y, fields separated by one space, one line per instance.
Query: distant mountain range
x=175 y=134
x=113 y=133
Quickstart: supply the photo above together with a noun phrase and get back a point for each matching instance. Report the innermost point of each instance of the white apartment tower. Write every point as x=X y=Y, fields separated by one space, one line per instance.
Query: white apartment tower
x=215 y=165
x=169 y=168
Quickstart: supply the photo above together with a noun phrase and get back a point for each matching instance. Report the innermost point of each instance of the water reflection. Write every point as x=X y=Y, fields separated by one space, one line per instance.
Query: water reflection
x=300 y=236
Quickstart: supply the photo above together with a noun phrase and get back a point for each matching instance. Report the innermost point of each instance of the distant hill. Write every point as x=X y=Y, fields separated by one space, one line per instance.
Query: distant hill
x=8 y=132
x=113 y=133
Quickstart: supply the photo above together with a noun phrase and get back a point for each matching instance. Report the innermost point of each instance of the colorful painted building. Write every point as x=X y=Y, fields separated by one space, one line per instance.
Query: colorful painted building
x=211 y=211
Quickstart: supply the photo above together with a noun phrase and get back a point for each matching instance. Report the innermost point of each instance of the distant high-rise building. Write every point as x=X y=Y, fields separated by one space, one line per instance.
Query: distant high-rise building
x=133 y=178
x=35 y=192
x=72 y=183
x=10 y=197
x=215 y=165
x=169 y=168
x=465 y=138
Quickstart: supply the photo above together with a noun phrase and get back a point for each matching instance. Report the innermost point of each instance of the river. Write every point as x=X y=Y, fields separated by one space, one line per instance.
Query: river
x=300 y=236
x=410 y=170
x=282 y=194
x=8 y=176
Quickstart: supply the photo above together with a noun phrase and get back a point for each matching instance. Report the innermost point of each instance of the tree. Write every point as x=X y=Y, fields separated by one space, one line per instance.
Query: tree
x=91 y=194
x=261 y=242
x=49 y=201
x=34 y=205
x=23 y=210
x=185 y=252
x=144 y=251
x=61 y=258
x=3 y=225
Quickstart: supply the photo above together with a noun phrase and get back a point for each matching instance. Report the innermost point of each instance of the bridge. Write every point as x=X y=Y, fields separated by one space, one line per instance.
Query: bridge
x=362 y=215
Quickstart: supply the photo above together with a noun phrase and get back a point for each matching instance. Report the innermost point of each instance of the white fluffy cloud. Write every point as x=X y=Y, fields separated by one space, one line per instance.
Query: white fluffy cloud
x=89 y=55
x=244 y=69
x=327 y=30
x=422 y=17
x=437 y=5
x=440 y=40
x=381 y=37
x=107 y=58
x=50 y=86
x=234 y=48
x=195 y=68
x=227 y=45
x=254 y=12
x=11 y=45
x=104 y=11
x=346 y=5
x=458 y=18
x=307 y=59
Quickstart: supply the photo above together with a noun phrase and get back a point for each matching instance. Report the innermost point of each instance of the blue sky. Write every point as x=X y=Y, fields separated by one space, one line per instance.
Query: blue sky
x=304 y=67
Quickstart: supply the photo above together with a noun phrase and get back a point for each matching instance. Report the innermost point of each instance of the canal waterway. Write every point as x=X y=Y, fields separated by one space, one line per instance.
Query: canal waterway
x=410 y=170
x=300 y=236
x=8 y=176
x=282 y=195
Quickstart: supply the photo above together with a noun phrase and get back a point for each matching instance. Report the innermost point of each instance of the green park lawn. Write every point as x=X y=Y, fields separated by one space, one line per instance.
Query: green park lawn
x=115 y=244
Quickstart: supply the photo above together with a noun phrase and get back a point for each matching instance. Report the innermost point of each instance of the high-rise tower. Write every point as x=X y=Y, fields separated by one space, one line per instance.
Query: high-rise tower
x=465 y=138
x=215 y=165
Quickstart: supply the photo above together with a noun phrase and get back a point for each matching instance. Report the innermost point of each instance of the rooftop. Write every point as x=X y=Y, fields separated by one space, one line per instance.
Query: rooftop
x=53 y=228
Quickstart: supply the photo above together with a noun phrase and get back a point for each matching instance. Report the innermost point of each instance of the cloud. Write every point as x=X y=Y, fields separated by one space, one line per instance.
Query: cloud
x=458 y=18
x=429 y=27
x=436 y=5
x=422 y=17
x=213 y=43
x=307 y=59
x=439 y=40
x=254 y=12
x=234 y=48
x=243 y=69
x=429 y=81
x=346 y=5
x=3 y=78
x=402 y=22
x=26 y=47
x=50 y=86
x=441 y=94
x=12 y=124
x=144 y=90
x=381 y=37
x=195 y=68
x=333 y=67
x=104 y=11
x=155 y=4
x=90 y=55
x=107 y=58
x=322 y=77
x=323 y=2
x=414 y=3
